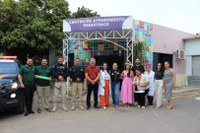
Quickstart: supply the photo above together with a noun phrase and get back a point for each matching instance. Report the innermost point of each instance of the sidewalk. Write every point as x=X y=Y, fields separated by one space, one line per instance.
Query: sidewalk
x=186 y=92
x=185 y=89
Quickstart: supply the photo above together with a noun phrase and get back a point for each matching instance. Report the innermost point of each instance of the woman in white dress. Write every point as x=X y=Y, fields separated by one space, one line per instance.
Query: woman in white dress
x=150 y=75
x=104 y=86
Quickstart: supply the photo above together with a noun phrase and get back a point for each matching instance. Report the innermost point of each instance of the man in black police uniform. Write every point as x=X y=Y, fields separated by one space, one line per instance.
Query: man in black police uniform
x=134 y=68
x=77 y=75
x=60 y=74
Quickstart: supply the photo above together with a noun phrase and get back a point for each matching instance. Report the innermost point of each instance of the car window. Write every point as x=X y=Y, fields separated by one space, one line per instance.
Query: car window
x=8 y=68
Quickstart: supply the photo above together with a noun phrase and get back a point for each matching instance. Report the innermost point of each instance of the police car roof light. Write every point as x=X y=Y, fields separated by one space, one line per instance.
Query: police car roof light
x=8 y=57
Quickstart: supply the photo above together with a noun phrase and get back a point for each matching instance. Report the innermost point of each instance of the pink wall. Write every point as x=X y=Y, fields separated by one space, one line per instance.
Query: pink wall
x=166 y=40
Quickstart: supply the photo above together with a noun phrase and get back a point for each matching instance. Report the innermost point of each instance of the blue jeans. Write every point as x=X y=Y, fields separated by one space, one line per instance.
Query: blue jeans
x=115 y=93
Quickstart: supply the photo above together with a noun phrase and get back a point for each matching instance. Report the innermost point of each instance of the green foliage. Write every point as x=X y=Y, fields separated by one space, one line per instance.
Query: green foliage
x=31 y=27
x=84 y=12
x=139 y=51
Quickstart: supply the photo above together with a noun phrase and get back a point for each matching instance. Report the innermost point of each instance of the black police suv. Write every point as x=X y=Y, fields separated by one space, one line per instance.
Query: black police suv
x=11 y=96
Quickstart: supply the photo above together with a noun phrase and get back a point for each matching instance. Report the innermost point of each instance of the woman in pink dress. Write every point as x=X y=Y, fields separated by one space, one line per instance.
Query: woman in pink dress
x=127 y=88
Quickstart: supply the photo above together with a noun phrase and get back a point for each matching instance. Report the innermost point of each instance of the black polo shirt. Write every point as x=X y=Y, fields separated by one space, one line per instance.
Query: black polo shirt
x=141 y=67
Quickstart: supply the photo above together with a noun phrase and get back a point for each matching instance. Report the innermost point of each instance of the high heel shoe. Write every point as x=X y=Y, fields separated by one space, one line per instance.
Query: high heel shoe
x=170 y=105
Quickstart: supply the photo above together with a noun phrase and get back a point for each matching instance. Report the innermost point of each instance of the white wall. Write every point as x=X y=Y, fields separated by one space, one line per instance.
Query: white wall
x=192 y=47
x=188 y=59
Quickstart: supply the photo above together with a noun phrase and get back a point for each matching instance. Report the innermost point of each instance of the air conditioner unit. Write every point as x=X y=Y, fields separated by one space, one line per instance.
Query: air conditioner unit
x=180 y=54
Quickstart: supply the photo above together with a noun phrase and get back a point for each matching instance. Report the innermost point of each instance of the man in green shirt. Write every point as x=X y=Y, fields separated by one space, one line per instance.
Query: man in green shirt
x=27 y=83
x=43 y=86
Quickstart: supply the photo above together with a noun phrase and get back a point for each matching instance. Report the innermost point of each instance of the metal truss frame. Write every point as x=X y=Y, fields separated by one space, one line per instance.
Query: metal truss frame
x=108 y=36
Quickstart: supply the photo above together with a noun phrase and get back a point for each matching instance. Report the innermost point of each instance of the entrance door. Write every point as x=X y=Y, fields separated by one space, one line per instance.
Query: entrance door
x=112 y=57
x=161 y=58
x=195 y=65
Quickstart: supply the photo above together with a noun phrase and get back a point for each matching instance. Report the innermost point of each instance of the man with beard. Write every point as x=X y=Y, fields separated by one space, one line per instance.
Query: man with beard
x=137 y=66
x=43 y=86
x=27 y=83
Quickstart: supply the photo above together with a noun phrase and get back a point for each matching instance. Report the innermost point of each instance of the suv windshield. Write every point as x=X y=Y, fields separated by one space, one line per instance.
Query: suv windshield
x=9 y=68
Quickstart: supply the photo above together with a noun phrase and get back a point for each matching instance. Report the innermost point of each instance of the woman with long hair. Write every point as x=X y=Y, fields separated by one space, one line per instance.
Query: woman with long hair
x=169 y=83
x=115 y=84
x=126 y=88
x=104 y=86
x=158 y=85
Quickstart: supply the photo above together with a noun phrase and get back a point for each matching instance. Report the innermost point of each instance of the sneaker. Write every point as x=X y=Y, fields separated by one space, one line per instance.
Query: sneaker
x=135 y=103
x=117 y=106
x=96 y=107
x=48 y=109
x=39 y=110
x=54 y=109
x=143 y=107
x=73 y=107
x=139 y=106
x=157 y=107
x=81 y=107
x=104 y=108
x=88 y=108
x=32 y=112
x=64 y=107
x=27 y=113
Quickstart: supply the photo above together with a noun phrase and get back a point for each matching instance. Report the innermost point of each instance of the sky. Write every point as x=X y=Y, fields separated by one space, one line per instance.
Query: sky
x=182 y=15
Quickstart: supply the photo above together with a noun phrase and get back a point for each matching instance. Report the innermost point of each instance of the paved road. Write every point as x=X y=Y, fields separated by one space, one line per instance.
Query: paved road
x=184 y=118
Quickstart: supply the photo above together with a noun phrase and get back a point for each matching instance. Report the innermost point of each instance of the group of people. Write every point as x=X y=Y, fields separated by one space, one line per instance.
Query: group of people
x=29 y=82
x=130 y=86
x=137 y=84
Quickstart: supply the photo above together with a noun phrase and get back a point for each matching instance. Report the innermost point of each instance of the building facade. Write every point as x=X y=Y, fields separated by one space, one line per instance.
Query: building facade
x=161 y=44
x=192 y=57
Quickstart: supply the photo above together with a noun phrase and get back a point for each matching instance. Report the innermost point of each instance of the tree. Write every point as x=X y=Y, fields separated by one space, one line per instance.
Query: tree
x=7 y=8
x=84 y=12
x=139 y=51
x=31 y=27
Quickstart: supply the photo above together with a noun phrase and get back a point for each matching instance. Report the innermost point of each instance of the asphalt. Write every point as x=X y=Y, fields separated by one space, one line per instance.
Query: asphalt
x=183 y=118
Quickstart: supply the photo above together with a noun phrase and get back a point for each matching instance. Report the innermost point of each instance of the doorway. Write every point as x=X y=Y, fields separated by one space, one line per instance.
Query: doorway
x=161 y=58
x=110 y=58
